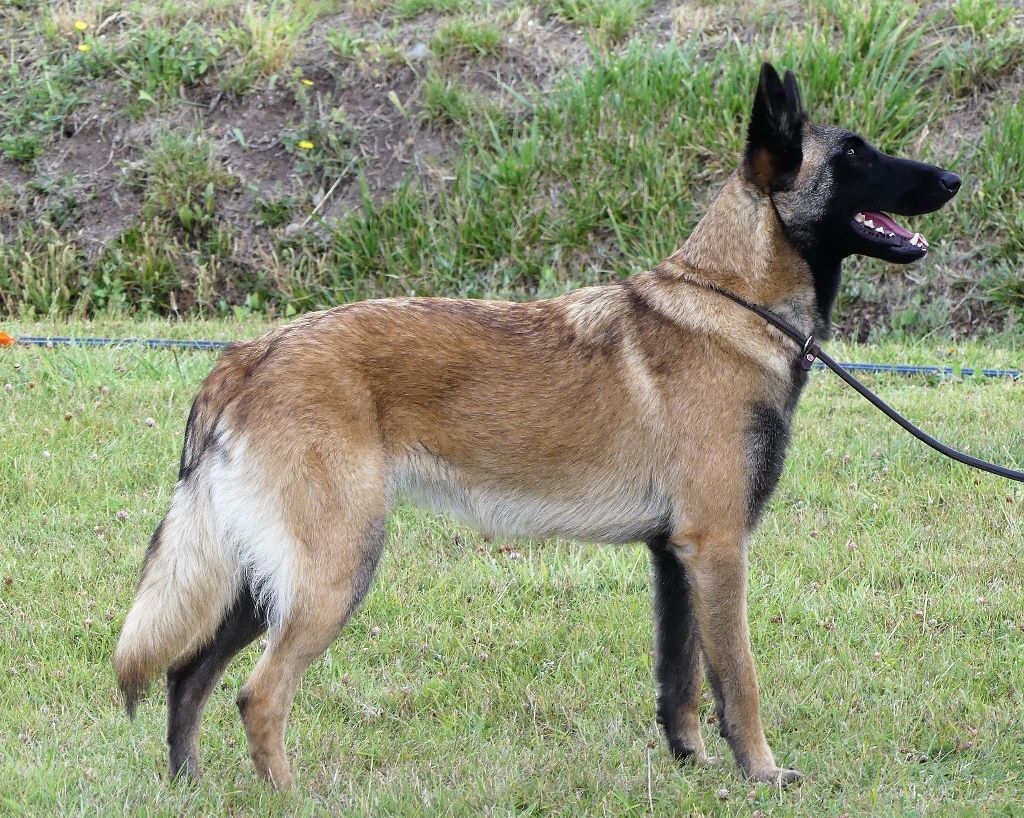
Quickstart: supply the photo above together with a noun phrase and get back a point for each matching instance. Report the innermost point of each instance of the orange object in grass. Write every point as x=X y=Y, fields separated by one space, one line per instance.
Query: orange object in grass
x=6 y=340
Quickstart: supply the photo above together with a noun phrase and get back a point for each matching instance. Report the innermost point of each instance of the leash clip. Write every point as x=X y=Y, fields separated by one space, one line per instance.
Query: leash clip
x=809 y=354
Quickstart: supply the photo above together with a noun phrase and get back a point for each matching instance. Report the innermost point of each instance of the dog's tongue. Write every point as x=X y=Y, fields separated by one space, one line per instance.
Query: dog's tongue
x=883 y=221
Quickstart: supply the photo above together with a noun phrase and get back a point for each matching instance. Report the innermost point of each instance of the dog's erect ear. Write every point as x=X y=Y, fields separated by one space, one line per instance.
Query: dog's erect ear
x=775 y=134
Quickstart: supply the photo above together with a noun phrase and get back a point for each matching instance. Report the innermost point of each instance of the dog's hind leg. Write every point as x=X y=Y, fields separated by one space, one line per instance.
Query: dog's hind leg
x=189 y=684
x=329 y=586
x=677 y=655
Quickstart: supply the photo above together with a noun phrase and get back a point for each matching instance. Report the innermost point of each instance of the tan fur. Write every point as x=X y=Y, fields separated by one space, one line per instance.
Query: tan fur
x=187 y=570
x=594 y=415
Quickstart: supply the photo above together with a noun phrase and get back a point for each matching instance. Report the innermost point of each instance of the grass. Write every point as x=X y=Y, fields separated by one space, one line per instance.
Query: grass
x=405 y=9
x=637 y=128
x=446 y=102
x=611 y=20
x=322 y=142
x=982 y=16
x=181 y=174
x=534 y=181
x=886 y=598
x=35 y=100
x=267 y=40
x=159 y=62
x=466 y=39
x=509 y=677
x=345 y=45
x=1001 y=187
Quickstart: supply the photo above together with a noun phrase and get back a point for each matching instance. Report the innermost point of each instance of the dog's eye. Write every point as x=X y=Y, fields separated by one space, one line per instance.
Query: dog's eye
x=851 y=151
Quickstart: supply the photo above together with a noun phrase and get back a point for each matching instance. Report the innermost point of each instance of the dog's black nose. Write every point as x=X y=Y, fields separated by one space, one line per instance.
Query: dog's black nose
x=950 y=181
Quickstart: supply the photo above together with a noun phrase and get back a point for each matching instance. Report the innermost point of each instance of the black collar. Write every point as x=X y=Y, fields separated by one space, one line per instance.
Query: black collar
x=810 y=351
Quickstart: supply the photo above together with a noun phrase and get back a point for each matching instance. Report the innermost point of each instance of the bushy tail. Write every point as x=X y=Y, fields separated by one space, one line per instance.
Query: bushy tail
x=190 y=577
x=188 y=582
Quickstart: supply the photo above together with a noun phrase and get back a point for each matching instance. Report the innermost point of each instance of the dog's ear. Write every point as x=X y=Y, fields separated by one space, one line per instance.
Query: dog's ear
x=775 y=134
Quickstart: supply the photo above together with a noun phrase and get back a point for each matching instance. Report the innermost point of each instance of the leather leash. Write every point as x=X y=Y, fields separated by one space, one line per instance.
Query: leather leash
x=809 y=351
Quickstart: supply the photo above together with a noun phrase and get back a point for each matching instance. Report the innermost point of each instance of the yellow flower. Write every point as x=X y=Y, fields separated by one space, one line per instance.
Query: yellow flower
x=306 y=81
x=305 y=144
x=81 y=25
x=84 y=47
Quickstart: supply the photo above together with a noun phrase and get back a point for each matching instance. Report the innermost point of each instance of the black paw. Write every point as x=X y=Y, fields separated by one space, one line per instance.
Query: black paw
x=681 y=751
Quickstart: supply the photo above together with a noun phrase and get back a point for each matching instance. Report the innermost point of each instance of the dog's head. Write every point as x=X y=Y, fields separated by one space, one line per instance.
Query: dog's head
x=831 y=189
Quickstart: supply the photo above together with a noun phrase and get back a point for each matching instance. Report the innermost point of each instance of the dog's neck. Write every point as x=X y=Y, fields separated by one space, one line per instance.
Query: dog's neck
x=741 y=245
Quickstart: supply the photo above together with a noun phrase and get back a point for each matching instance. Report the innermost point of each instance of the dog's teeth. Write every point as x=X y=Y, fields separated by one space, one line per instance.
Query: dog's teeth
x=879 y=230
x=859 y=218
x=869 y=223
x=889 y=233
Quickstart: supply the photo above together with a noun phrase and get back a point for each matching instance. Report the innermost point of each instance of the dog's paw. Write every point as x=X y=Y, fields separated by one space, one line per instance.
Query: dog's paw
x=777 y=776
x=683 y=753
x=689 y=752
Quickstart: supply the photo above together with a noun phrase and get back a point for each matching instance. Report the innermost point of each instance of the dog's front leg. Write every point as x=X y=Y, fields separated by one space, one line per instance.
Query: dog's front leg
x=676 y=655
x=717 y=570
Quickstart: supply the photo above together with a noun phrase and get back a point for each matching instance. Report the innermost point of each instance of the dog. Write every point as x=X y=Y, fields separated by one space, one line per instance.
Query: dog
x=650 y=410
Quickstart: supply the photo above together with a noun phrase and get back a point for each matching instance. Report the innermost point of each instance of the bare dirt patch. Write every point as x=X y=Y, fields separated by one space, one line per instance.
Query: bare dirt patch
x=394 y=143
x=86 y=190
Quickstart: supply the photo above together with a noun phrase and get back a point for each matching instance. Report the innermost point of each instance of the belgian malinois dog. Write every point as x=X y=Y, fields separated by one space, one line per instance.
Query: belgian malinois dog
x=650 y=410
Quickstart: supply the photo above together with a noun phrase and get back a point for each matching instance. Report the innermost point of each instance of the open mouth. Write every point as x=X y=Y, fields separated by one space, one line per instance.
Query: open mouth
x=881 y=229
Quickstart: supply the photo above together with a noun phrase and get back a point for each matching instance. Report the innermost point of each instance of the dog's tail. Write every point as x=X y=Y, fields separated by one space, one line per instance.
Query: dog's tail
x=190 y=576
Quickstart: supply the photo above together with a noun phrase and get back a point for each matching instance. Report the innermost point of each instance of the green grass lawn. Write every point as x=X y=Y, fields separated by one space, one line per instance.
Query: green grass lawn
x=887 y=607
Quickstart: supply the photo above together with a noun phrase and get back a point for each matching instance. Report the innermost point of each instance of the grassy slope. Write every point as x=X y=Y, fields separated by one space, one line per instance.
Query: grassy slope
x=886 y=599
x=524 y=171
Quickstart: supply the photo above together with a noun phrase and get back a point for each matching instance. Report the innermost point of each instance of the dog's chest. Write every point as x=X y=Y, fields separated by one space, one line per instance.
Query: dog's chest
x=767 y=440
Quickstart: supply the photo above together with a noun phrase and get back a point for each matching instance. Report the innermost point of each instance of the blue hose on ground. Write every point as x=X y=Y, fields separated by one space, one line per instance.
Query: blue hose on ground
x=150 y=343
x=170 y=343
